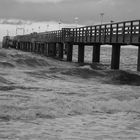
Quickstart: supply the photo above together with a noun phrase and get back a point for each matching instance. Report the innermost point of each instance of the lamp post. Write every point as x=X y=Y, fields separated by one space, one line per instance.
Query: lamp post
x=101 y=15
x=76 y=21
x=111 y=21
x=47 y=27
x=7 y=32
x=60 y=22
x=39 y=29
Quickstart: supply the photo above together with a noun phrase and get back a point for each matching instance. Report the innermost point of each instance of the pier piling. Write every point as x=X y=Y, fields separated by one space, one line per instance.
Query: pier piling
x=60 y=50
x=96 y=53
x=81 y=50
x=115 y=61
x=69 y=51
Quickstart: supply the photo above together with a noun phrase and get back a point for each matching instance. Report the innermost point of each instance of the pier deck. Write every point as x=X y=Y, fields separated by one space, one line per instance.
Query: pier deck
x=53 y=42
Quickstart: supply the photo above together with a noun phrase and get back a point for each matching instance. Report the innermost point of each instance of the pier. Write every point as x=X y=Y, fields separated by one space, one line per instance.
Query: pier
x=56 y=43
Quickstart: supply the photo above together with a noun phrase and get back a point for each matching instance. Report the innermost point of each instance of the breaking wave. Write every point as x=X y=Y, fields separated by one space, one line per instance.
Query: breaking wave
x=35 y=87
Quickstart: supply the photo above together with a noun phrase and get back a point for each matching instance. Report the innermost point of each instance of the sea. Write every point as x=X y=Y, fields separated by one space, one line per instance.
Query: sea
x=43 y=98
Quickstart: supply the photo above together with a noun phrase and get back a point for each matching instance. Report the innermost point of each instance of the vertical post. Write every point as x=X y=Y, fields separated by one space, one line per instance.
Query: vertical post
x=29 y=44
x=29 y=47
x=33 y=46
x=115 y=61
x=69 y=48
x=96 y=53
x=60 y=50
x=21 y=46
x=25 y=46
x=46 y=49
x=81 y=49
x=42 y=48
x=138 y=63
x=37 y=47
x=35 y=50
x=52 y=49
x=18 y=47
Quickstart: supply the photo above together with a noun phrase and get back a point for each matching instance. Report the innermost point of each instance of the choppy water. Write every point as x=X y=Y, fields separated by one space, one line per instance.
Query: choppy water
x=45 y=99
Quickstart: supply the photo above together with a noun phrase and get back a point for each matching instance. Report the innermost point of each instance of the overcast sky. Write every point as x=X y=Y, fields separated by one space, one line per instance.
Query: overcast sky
x=14 y=12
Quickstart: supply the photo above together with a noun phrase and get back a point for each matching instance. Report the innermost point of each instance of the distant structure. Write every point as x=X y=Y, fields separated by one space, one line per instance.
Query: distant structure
x=54 y=43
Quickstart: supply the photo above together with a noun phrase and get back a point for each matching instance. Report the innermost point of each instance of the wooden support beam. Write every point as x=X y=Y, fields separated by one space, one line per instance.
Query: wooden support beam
x=29 y=44
x=60 y=50
x=35 y=49
x=115 y=61
x=52 y=49
x=39 y=48
x=46 y=49
x=21 y=45
x=26 y=46
x=42 y=48
x=33 y=46
x=18 y=46
x=138 y=62
x=96 y=53
x=81 y=51
x=69 y=48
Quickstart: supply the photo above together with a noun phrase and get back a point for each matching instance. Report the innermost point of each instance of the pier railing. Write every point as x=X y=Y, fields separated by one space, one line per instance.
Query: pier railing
x=127 y=32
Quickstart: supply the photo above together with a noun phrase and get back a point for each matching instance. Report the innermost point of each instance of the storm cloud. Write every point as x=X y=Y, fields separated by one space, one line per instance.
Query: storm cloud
x=88 y=11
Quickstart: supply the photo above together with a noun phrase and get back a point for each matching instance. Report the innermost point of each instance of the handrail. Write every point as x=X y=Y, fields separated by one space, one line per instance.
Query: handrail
x=96 y=33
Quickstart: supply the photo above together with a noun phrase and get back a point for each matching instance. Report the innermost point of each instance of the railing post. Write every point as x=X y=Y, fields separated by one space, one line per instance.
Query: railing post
x=96 y=53
x=117 y=30
x=81 y=49
x=124 y=32
x=115 y=61
x=69 y=48
x=131 y=32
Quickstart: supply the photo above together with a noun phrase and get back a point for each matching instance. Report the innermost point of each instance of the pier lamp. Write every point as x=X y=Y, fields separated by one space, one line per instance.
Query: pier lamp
x=32 y=29
x=7 y=32
x=48 y=27
x=60 y=22
x=101 y=15
x=76 y=21
x=111 y=21
x=39 y=29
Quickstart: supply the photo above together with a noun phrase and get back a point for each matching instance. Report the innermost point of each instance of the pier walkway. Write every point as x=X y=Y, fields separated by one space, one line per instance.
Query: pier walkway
x=54 y=43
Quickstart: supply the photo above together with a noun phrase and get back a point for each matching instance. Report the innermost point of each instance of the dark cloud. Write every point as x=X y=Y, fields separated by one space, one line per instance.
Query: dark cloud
x=88 y=11
x=15 y=22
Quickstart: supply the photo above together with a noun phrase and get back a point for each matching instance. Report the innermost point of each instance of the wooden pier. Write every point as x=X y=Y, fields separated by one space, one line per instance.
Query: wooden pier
x=56 y=43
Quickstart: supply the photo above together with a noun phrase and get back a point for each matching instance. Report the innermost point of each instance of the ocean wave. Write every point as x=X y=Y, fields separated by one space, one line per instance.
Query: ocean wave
x=6 y=65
